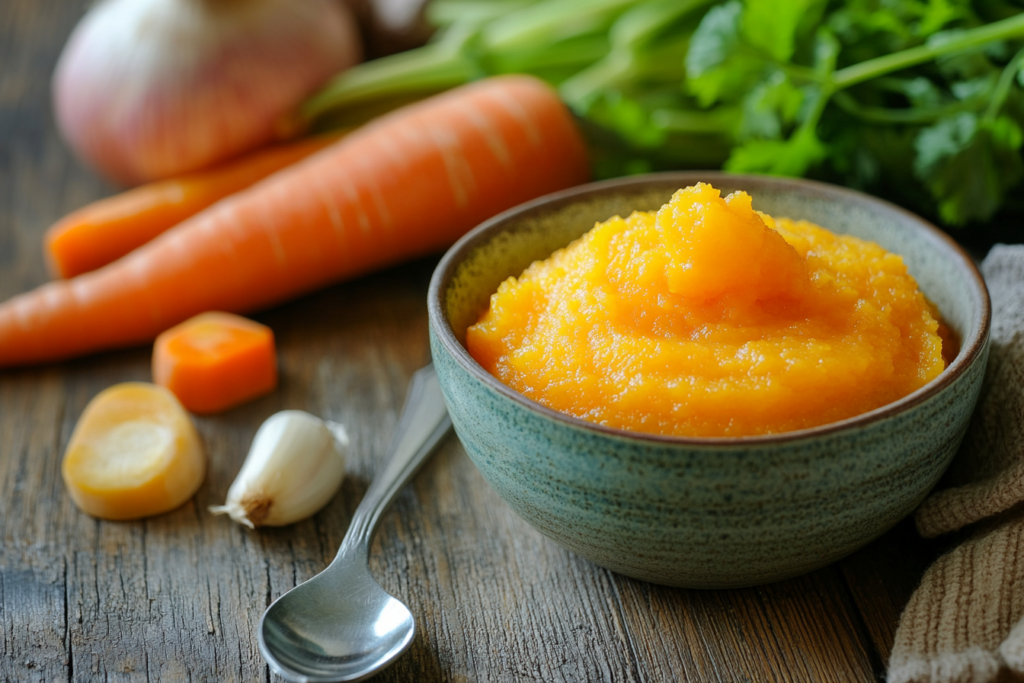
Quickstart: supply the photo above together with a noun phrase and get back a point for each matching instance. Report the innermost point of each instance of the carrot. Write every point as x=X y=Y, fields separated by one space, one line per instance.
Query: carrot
x=133 y=453
x=215 y=361
x=107 y=229
x=406 y=185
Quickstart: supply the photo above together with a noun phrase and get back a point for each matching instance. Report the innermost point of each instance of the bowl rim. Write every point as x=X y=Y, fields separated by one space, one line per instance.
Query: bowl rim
x=970 y=348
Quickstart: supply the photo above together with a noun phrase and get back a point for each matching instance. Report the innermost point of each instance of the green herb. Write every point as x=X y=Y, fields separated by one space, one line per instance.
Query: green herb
x=917 y=100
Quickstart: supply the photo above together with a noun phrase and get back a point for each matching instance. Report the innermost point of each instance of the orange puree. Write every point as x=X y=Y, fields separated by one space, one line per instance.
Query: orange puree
x=708 y=318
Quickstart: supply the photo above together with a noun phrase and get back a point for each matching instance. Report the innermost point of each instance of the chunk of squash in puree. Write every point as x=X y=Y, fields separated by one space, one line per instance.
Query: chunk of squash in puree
x=708 y=318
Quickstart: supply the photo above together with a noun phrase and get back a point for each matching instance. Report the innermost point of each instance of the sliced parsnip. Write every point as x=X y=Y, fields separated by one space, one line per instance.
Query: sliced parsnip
x=134 y=453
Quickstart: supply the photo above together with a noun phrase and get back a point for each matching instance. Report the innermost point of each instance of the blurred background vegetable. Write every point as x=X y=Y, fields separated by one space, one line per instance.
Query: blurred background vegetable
x=147 y=89
x=390 y=26
x=915 y=100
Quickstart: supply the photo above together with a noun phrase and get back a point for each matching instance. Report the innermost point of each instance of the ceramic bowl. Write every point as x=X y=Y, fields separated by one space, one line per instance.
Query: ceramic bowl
x=706 y=512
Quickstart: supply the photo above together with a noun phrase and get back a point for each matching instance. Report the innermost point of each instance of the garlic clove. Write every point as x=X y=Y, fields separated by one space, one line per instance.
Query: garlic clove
x=294 y=467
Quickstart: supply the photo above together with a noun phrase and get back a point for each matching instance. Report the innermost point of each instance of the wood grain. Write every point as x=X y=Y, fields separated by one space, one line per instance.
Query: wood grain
x=178 y=597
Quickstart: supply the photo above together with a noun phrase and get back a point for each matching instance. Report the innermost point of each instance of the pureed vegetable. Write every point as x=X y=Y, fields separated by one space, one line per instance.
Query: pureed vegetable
x=707 y=318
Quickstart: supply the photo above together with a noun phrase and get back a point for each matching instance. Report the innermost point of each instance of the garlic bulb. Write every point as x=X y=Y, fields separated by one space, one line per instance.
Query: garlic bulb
x=294 y=467
x=145 y=89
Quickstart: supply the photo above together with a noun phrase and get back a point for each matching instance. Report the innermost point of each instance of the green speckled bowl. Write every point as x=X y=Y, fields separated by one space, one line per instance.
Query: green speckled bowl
x=706 y=513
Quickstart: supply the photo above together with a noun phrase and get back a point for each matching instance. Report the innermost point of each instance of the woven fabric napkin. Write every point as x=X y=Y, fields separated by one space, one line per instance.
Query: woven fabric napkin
x=964 y=622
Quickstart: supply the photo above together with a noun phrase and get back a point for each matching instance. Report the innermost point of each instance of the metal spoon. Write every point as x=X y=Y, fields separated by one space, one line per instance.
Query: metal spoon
x=341 y=625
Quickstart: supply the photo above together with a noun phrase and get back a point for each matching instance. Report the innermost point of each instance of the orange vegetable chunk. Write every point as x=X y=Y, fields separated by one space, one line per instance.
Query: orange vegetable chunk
x=134 y=453
x=215 y=361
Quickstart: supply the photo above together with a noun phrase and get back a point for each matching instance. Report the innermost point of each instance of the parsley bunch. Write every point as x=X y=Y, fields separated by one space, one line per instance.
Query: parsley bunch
x=917 y=100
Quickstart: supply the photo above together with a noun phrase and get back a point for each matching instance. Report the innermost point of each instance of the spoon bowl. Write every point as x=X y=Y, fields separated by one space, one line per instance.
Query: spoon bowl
x=320 y=631
x=341 y=625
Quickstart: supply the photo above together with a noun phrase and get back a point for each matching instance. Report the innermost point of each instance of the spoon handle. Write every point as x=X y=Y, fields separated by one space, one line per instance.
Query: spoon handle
x=423 y=424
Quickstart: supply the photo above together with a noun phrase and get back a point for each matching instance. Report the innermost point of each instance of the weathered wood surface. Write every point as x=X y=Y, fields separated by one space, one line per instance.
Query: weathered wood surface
x=178 y=597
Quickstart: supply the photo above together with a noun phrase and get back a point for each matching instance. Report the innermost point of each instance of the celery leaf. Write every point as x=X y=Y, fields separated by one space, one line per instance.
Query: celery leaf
x=772 y=26
x=792 y=157
x=968 y=164
x=717 y=65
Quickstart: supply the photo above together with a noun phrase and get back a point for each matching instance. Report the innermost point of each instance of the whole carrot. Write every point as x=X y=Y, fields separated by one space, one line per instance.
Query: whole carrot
x=107 y=229
x=404 y=186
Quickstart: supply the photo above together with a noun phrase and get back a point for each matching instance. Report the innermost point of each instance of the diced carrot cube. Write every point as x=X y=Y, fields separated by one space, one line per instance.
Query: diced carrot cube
x=216 y=361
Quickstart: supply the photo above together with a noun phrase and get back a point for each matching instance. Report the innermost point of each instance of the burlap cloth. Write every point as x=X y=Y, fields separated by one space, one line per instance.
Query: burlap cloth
x=964 y=622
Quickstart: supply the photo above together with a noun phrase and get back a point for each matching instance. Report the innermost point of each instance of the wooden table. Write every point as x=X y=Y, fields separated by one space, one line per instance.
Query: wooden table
x=178 y=597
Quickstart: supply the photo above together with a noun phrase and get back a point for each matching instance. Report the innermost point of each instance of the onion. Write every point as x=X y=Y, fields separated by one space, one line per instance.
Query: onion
x=147 y=89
